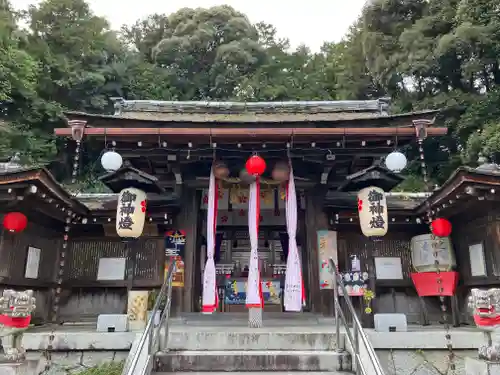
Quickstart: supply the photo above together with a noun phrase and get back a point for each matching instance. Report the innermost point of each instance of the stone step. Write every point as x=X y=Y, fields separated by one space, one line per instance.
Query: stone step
x=256 y=360
x=252 y=339
x=257 y=373
x=270 y=319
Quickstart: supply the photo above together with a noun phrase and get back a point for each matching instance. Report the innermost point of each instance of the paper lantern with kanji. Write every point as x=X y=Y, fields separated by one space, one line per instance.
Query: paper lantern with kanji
x=426 y=250
x=441 y=227
x=372 y=208
x=15 y=222
x=131 y=213
x=255 y=165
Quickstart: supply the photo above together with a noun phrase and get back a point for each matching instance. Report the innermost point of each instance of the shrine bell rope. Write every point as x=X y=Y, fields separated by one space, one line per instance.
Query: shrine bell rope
x=294 y=287
x=254 y=300
x=210 y=296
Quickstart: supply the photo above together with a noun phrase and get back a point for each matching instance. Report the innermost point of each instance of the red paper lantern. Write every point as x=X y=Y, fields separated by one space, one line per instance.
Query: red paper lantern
x=255 y=165
x=441 y=227
x=15 y=222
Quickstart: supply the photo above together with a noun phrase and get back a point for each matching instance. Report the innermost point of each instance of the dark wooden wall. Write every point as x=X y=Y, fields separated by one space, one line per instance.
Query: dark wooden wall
x=392 y=296
x=13 y=255
x=481 y=226
x=84 y=297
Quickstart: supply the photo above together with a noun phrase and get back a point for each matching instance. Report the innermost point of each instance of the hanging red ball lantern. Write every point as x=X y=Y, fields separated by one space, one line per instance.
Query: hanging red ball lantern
x=255 y=165
x=15 y=222
x=441 y=227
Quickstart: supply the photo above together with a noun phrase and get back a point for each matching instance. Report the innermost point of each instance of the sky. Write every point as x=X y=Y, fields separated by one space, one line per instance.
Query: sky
x=309 y=22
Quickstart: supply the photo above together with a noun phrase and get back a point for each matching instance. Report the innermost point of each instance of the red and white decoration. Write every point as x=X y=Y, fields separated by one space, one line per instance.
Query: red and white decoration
x=254 y=298
x=210 y=297
x=294 y=289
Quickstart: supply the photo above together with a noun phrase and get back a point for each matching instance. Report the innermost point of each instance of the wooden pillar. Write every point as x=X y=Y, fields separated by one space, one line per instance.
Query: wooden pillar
x=315 y=219
x=188 y=220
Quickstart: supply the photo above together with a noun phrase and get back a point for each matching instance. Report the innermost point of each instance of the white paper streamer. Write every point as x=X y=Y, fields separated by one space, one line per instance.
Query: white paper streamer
x=293 y=279
x=209 y=304
x=253 y=298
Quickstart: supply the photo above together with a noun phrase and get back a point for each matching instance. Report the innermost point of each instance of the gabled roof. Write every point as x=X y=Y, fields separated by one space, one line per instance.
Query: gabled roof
x=465 y=184
x=123 y=106
x=46 y=184
x=108 y=201
x=375 y=175
x=252 y=112
x=395 y=201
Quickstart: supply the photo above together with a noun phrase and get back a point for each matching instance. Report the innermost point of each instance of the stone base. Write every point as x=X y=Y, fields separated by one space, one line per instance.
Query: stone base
x=474 y=366
x=21 y=368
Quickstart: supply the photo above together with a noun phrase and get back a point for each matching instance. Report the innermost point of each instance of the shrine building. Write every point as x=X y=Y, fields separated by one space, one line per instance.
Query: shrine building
x=71 y=254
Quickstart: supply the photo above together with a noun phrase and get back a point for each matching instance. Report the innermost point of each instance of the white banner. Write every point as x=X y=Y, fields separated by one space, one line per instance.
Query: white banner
x=210 y=297
x=254 y=295
x=293 y=297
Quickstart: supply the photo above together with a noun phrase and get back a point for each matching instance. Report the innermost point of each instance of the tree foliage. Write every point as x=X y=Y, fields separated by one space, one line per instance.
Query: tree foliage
x=423 y=53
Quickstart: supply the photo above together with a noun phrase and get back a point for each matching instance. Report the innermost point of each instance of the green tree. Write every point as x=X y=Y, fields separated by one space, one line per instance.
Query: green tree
x=21 y=109
x=207 y=51
x=74 y=47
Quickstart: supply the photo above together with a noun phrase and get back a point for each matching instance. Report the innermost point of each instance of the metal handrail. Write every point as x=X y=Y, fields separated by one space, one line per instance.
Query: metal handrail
x=152 y=334
x=357 y=327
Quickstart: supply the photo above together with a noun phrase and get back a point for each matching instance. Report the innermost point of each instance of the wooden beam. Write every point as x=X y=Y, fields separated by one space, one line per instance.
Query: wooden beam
x=156 y=155
x=254 y=133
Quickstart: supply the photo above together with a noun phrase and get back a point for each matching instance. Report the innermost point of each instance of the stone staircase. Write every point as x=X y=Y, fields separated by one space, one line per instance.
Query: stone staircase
x=294 y=344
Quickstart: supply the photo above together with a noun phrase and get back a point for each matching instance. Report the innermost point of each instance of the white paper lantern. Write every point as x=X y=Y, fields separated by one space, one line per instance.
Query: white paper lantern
x=372 y=208
x=395 y=161
x=131 y=213
x=111 y=161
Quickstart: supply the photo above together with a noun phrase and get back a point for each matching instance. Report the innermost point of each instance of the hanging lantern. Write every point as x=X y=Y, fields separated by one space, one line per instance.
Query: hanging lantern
x=220 y=170
x=441 y=227
x=111 y=161
x=424 y=254
x=255 y=165
x=131 y=213
x=395 y=161
x=246 y=178
x=15 y=222
x=281 y=171
x=372 y=208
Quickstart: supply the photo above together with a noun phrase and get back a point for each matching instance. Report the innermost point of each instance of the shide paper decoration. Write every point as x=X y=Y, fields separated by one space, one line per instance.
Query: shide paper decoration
x=254 y=300
x=372 y=207
x=131 y=213
x=255 y=166
x=210 y=296
x=294 y=288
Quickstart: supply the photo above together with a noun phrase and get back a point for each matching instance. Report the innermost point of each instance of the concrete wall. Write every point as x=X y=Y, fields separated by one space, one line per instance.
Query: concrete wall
x=424 y=352
x=422 y=362
x=421 y=352
x=64 y=363
x=75 y=351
